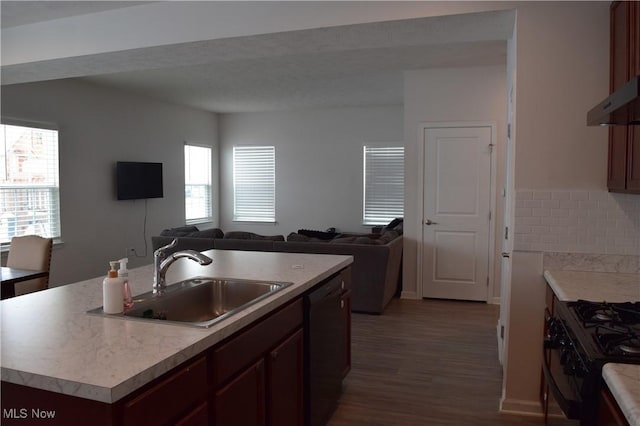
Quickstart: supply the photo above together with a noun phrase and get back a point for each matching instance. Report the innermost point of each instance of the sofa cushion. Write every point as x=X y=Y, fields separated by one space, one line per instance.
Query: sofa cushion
x=179 y=231
x=241 y=235
x=206 y=233
x=304 y=238
x=388 y=236
x=321 y=235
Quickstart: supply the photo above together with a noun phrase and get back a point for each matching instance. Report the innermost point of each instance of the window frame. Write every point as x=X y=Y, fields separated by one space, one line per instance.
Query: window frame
x=53 y=211
x=368 y=217
x=209 y=206
x=266 y=216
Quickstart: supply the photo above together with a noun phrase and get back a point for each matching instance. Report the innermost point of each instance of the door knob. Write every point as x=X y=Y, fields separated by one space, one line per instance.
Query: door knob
x=430 y=222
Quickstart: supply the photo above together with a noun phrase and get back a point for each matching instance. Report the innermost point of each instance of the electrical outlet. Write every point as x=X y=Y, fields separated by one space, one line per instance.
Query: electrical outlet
x=130 y=251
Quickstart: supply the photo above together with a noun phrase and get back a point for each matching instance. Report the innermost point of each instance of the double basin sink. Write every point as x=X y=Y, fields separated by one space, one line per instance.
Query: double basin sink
x=198 y=302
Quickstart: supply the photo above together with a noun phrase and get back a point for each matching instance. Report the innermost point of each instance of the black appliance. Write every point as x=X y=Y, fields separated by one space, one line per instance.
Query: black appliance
x=136 y=180
x=619 y=108
x=581 y=338
x=326 y=327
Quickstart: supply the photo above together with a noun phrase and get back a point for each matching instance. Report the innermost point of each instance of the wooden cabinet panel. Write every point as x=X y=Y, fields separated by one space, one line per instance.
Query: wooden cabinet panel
x=198 y=417
x=240 y=351
x=609 y=413
x=619 y=44
x=633 y=158
x=616 y=175
x=168 y=399
x=623 y=171
x=285 y=379
x=345 y=303
x=242 y=401
x=634 y=39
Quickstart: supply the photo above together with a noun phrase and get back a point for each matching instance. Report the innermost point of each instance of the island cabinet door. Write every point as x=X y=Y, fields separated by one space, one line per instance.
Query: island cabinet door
x=285 y=382
x=242 y=401
x=345 y=305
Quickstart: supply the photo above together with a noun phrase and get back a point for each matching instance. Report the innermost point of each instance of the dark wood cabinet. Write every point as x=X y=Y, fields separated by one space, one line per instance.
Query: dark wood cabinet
x=242 y=401
x=171 y=399
x=286 y=382
x=258 y=374
x=199 y=416
x=609 y=413
x=345 y=304
x=623 y=167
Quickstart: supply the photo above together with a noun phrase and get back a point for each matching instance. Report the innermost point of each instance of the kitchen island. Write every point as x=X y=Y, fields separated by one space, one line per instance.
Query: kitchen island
x=622 y=380
x=51 y=345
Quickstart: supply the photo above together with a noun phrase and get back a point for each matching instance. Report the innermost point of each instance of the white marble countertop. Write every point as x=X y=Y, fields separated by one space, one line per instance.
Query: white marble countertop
x=594 y=286
x=624 y=382
x=49 y=342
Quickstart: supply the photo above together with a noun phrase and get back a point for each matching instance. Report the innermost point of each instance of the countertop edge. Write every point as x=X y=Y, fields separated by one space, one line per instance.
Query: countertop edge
x=623 y=381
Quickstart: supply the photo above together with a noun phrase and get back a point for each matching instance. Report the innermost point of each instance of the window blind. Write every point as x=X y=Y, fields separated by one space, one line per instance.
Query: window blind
x=29 y=182
x=383 y=184
x=254 y=183
x=197 y=184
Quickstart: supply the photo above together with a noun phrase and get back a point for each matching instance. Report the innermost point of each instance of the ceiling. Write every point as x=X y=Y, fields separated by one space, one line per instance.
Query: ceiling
x=349 y=65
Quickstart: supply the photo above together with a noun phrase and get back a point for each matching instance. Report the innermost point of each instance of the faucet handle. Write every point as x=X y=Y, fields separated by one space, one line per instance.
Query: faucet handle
x=161 y=251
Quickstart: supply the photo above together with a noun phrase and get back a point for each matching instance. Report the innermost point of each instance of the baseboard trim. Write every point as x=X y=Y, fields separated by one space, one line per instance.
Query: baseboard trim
x=521 y=407
x=495 y=300
x=409 y=295
x=529 y=408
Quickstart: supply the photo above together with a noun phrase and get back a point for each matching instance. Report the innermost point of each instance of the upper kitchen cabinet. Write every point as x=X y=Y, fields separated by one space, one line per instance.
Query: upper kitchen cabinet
x=624 y=141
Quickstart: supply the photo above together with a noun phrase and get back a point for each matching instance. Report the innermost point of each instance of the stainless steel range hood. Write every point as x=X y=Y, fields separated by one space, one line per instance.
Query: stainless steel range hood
x=619 y=108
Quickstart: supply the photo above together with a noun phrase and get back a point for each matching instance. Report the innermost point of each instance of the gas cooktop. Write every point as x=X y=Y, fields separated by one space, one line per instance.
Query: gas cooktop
x=615 y=327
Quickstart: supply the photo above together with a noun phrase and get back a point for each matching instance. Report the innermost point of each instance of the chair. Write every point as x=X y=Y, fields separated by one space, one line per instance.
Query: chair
x=30 y=252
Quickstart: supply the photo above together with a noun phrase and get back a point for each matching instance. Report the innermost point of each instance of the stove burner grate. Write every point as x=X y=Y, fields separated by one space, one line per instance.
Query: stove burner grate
x=618 y=340
x=595 y=313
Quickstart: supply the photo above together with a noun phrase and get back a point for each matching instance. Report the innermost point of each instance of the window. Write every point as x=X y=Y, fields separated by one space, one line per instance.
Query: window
x=254 y=183
x=29 y=187
x=383 y=184
x=197 y=184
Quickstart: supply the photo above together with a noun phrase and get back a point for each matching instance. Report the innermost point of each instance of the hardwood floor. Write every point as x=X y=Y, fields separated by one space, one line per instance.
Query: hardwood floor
x=426 y=362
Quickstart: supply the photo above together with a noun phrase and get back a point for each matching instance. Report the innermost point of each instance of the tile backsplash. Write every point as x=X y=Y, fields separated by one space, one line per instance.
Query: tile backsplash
x=577 y=222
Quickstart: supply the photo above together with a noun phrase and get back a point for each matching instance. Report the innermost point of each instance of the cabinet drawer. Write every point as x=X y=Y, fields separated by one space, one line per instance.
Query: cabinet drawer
x=243 y=349
x=170 y=397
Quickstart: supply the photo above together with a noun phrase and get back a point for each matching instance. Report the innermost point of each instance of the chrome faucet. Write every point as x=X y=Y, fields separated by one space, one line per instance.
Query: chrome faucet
x=161 y=263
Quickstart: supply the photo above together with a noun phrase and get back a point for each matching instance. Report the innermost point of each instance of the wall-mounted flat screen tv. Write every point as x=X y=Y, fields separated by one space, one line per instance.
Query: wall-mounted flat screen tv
x=135 y=180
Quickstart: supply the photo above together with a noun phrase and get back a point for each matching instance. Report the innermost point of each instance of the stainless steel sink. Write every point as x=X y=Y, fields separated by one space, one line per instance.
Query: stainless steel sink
x=200 y=302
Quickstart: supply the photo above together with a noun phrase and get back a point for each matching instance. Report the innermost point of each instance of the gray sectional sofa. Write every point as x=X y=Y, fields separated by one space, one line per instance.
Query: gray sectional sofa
x=376 y=270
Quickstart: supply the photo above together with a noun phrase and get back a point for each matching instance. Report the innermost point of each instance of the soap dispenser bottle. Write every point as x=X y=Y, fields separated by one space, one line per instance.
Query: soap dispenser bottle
x=123 y=273
x=112 y=291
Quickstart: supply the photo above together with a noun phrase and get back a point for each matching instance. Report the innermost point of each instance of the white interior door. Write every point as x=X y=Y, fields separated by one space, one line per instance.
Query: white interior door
x=456 y=212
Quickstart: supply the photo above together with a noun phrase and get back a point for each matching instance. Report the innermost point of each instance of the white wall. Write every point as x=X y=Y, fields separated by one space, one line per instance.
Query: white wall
x=454 y=94
x=97 y=128
x=562 y=71
x=318 y=163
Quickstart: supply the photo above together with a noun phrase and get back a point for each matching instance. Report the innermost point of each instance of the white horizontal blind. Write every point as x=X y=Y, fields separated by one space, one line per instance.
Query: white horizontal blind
x=383 y=184
x=29 y=185
x=254 y=183
x=197 y=184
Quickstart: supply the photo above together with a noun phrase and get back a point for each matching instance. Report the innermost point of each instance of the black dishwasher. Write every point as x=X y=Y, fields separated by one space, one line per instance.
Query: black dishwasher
x=324 y=350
